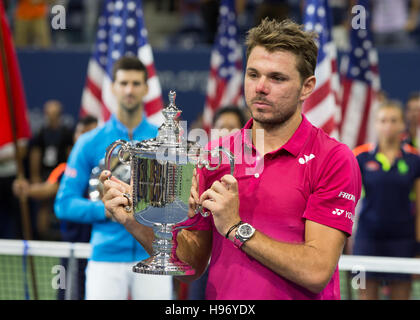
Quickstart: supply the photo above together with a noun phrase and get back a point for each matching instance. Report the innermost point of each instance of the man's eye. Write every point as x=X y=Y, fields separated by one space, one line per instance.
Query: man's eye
x=278 y=78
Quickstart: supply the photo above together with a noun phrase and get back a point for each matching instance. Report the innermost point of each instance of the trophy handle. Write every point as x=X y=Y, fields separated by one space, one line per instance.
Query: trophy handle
x=204 y=163
x=125 y=147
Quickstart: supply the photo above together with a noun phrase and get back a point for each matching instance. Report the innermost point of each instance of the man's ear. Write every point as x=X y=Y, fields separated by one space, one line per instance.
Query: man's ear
x=308 y=87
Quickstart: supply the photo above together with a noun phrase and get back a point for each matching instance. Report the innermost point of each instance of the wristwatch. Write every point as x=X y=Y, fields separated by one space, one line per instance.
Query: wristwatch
x=244 y=232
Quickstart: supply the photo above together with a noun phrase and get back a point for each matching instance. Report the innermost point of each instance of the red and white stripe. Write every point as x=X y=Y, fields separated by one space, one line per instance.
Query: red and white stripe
x=322 y=108
x=359 y=103
x=220 y=92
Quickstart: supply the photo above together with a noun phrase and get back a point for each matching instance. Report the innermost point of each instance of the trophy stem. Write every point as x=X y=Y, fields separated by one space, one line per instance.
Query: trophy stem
x=162 y=261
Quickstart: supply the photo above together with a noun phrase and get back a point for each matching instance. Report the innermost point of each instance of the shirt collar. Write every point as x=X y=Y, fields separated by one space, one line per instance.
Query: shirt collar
x=296 y=142
x=122 y=128
x=401 y=154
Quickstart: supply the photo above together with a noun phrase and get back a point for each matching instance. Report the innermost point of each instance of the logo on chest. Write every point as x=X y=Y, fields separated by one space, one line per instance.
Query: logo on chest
x=372 y=166
x=306 y=158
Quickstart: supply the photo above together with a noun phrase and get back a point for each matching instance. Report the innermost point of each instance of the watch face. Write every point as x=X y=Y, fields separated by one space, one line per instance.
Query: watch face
x=245 y=230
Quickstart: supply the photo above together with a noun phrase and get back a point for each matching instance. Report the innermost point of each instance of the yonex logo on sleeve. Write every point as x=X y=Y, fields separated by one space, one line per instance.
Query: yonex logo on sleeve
x=338 y=212
x=349 y=215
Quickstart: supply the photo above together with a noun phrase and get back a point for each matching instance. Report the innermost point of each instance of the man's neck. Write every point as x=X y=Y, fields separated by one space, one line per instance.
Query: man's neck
x=274 y=137
x=130 y=119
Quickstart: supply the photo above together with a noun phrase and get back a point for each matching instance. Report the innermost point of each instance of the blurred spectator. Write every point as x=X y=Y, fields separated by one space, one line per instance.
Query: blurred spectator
x=392 y=20
x=91 y=12
x=340 y=23
x=210 y=14
x=10 y=222
x=70 y=231
x=226 y=120
x=49 y=147
x=192 y=29
x=412 y=117
x=32 y=24
x=387 y=226
x=230 y=119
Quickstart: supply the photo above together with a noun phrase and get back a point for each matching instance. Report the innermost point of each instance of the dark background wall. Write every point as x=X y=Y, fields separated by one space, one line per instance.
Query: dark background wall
x=61 y=75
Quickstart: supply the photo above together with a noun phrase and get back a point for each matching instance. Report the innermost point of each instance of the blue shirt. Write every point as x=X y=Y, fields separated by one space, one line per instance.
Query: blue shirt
x=386 y=211
x=110 y=241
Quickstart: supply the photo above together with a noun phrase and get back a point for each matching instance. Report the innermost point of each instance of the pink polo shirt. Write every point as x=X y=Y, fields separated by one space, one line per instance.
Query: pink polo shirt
x=312 y=176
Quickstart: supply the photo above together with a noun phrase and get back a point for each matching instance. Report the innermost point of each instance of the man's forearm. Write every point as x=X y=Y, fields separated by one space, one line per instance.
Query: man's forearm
x=194 y=248
x=299 y=263
x=143 y=234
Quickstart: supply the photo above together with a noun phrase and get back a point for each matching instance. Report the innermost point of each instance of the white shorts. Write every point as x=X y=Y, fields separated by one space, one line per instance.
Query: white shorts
x=117 y=281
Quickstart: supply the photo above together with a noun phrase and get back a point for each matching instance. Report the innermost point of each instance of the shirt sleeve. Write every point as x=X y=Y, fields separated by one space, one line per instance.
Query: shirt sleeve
x=70 y=203
x=336 y=192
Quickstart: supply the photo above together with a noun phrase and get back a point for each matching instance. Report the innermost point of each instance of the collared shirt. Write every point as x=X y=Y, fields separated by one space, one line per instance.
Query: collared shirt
x=386 y=211
x=312 y=176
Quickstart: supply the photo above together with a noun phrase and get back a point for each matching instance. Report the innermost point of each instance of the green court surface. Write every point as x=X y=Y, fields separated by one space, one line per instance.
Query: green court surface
x=12 y=280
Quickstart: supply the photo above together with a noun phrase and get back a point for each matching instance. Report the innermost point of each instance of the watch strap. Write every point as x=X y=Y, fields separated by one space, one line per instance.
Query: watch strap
x=237 y=242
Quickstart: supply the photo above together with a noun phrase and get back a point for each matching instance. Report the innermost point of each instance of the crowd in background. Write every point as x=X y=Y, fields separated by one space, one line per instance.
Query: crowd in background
x=188 y=23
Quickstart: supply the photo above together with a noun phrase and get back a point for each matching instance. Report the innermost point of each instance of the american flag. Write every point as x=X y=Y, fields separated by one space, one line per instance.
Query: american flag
x=121 y=31
x=322 y=108
x=224 y=86
x=360 y=85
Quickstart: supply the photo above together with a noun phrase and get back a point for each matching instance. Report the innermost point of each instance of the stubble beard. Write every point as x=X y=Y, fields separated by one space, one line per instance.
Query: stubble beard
x=279 y=118
x=132 y=110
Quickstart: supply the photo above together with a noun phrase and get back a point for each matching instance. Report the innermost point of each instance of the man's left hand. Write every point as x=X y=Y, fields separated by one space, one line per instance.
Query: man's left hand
x=222 y=199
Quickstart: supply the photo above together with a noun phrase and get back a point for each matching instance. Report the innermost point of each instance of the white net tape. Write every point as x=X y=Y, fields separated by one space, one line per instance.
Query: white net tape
x=48 y=256
x=83 y=250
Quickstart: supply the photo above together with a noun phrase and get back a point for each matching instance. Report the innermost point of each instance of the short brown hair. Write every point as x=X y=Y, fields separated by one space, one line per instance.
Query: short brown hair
x=286 y=35
x=128 y=63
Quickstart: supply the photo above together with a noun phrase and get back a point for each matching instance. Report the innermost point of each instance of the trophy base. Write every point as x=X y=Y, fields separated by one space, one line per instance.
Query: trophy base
x=154 y=265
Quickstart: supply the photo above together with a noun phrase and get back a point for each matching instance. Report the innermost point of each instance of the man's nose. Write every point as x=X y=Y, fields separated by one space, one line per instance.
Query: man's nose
x=129 y=88
x=262 y=85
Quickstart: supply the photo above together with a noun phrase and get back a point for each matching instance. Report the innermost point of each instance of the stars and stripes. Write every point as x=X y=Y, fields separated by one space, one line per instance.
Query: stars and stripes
x=322 y=108
x=225 y=80
x=121 y=31
x=360 y=85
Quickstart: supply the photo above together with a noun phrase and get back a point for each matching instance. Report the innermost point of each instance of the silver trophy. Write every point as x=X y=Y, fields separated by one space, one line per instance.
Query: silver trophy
x=161 y=178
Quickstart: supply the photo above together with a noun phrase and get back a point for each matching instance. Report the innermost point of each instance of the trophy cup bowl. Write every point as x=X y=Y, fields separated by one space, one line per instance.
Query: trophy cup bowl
x=162 y=169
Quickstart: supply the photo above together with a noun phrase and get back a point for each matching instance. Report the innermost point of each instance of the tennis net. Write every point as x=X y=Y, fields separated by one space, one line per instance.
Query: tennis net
x=56 y=266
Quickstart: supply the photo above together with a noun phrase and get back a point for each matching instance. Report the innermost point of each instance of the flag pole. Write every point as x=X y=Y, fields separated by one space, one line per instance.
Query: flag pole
x=23 y=200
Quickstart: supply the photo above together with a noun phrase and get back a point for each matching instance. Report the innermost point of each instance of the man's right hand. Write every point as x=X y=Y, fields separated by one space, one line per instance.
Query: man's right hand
x=114 y=200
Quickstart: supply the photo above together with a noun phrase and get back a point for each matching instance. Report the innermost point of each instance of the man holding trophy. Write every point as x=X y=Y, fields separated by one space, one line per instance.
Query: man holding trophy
x=278 y=223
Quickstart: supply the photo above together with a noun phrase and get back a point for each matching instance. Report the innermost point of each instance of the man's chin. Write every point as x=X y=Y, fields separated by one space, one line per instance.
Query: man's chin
x=271 y=120
x=131 y=108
